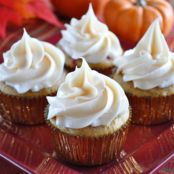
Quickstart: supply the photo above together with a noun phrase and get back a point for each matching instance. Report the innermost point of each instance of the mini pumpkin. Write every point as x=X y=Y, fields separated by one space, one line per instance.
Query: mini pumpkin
x=76 y=8
x=129 y=19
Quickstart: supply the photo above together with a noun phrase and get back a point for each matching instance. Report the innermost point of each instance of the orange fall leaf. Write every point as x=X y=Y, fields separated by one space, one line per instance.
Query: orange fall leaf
x=15 y=12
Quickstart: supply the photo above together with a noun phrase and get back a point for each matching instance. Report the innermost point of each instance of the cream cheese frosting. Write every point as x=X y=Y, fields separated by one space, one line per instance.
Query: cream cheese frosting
x=150 y=64
x=89 y=38
x=88 y=98
x=31 y=64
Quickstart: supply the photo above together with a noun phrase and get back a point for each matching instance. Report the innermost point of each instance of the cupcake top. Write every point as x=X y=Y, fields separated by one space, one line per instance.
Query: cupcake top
x=31 y=64
x=150 y=64
x=87 y=98
x=90 y=38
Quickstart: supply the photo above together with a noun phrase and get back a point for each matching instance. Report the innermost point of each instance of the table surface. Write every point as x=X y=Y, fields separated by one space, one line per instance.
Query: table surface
x=45 y=32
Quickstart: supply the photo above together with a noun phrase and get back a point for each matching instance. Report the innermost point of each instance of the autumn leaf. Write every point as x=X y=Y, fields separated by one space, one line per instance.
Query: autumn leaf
x=41 y=10
x=8 y=16
x=17 y=11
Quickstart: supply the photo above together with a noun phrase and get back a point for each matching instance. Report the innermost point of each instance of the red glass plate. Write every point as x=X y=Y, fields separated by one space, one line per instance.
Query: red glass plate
x=31 y=150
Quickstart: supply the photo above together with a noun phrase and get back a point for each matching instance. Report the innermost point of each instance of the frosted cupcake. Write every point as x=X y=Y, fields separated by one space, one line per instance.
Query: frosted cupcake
x=90 y=38
x=31 y=70
x=147 y=75
x=89 y=117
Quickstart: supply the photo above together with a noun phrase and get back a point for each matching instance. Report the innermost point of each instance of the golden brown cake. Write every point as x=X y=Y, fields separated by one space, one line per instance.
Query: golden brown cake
x=89 y=118
x=106 y=68
x=31 y=70
x=146 y=73
x=91 y=39
x=149 y=107
x=27 y=108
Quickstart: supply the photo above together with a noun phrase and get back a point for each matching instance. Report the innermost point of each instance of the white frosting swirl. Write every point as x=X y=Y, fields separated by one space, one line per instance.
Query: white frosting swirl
x=31 y=64
x=87 y=98
x=89 y=38
x=150 y=64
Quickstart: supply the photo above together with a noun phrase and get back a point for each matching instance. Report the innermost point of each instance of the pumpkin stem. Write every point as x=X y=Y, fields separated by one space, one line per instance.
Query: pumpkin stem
x=141 y=2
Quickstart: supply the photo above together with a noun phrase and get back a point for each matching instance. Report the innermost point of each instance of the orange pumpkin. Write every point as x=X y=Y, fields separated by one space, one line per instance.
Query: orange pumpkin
x=76 y=8
x=129 y=19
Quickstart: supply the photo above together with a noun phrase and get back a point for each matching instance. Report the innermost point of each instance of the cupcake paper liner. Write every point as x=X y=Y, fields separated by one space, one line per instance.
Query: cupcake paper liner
x=151 y=110
x=23 y=110
x=89 y=151
x=107 y=71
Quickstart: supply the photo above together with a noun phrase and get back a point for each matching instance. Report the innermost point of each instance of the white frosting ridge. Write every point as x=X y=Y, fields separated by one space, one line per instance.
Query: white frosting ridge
x=87 y=98
x=90 y=38
x=31 y=64
x=150 y=64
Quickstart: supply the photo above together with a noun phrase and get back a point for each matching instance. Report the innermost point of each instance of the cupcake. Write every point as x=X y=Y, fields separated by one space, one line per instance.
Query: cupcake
x=89 y=117
x=90 y=38
x=147 y=75
x=31 y=70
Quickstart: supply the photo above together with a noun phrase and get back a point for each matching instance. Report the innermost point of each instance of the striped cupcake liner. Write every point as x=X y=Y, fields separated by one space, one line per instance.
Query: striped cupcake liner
x=151 y=110
x=89 y=151
x=107 y=71
x=23 y=110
